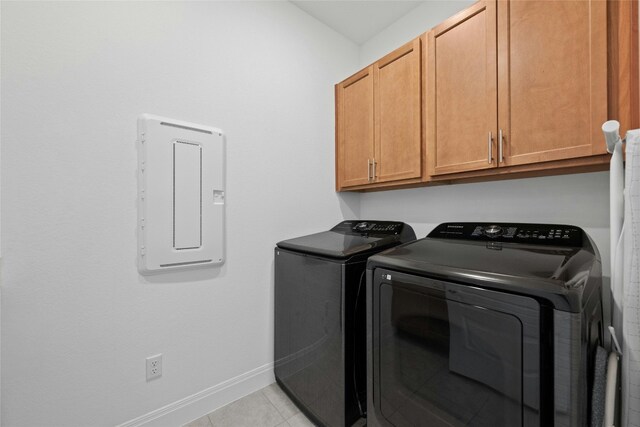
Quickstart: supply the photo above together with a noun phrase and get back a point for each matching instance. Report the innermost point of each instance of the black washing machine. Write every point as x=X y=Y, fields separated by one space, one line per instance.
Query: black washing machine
x=491 y=325
x=320 y=317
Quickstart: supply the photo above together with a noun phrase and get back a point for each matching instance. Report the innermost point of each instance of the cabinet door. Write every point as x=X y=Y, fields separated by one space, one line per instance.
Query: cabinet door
x=463 y=116
x=552 y=83
x=354 y=128
x=398 y=114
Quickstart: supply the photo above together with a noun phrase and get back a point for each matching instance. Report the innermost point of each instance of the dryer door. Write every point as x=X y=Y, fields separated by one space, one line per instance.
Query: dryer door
x=452 y=355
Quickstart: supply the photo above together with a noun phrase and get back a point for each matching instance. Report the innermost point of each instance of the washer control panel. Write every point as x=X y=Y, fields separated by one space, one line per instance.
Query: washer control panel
x=544 y=234
x=370 y=227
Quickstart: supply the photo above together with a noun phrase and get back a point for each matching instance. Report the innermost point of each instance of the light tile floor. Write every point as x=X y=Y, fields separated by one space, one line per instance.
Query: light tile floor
x=268 y=407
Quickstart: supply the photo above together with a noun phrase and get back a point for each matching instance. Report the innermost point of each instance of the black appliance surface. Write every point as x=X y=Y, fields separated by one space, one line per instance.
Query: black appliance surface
x=483 y=324
x=556 y=269
x=320 y=355
x=351 y=238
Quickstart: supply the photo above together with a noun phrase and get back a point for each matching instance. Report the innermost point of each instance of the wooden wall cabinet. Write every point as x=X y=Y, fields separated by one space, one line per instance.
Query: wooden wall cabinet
x=378 y=122
x=541 y=98
x=354 y=129
x=509 y=88
x=461 y=90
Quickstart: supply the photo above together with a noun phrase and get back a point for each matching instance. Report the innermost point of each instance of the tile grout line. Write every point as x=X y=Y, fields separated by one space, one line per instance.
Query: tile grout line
x=209 y=418
x=242 y=398
x=275 y=407
x=286 y=420
x=283 y=423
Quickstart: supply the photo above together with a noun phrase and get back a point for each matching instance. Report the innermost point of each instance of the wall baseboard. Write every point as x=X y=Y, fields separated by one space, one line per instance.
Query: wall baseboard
x=193 y=407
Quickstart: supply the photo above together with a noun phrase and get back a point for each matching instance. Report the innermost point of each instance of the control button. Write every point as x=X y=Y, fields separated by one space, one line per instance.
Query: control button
x=542 y=236
x=363 y=226
x=493 y=230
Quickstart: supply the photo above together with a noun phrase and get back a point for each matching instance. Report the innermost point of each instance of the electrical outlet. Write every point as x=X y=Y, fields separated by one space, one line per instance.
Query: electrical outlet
x=154 y=367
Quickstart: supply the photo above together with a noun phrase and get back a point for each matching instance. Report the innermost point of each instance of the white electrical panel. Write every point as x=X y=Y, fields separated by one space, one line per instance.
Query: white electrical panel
x=181 y=195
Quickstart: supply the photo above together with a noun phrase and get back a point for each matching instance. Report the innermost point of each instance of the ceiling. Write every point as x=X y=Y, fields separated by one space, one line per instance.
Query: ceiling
x=357 y=20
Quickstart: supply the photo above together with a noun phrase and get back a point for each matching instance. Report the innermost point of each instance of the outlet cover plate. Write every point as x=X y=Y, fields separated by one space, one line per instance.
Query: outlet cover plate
x=154 y=367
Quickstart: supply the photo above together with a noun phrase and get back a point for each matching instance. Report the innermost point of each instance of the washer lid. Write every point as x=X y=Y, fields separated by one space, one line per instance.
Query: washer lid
x=350 y=238
x=564 y=275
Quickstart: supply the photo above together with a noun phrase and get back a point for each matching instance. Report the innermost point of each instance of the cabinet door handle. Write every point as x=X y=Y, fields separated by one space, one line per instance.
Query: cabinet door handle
x=369 y=170
x=490 y=144
x=374 y=169
x=500 y=139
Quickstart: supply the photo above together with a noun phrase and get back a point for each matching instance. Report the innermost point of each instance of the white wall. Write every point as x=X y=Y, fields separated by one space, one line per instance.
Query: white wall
x=578 y=199
x=77 y=319
x=581 y=199
x=413 y=24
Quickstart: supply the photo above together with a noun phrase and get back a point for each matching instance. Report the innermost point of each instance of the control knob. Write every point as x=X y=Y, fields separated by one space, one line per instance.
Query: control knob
x=362 y=226
x=493 y=230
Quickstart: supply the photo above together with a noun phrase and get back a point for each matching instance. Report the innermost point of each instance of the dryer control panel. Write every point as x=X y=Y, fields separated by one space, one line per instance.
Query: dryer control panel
x=537 y=234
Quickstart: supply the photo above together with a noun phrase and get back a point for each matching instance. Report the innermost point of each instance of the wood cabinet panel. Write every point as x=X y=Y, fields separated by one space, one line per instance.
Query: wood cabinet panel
x=463 y=59
x=398 y=110
x=379 y=123
x=552 y=81
x=354 y=101
x=622 y=60
x=505 y=88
